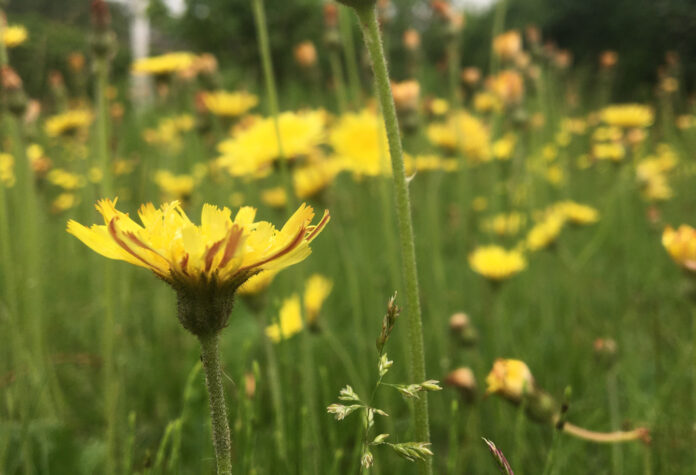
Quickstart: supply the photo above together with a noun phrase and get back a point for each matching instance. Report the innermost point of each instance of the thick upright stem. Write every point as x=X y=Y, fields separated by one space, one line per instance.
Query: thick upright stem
x=210 y=356
x=371 y=34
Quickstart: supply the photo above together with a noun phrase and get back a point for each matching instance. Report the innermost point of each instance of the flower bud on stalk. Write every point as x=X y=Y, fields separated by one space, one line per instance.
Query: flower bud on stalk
x=15 y=98
x=102 y=39
x=462 y=329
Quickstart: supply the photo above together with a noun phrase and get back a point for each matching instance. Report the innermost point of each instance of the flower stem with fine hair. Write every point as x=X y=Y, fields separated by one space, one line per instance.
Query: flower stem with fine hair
x=368 y=21
x=210 y=357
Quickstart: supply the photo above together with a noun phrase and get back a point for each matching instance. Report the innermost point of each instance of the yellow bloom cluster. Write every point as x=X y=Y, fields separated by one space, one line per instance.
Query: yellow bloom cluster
x=169 y=130
x=681 y=245
x=627 y=115
x=652 y=173
x=229 y=104
x=14 y=36
x=505 y=224
x=545 y=232
x=496 y=263
x=68 y=123
x=252 y=150
x=164 y=64
x=65 y=179
x=221 y=251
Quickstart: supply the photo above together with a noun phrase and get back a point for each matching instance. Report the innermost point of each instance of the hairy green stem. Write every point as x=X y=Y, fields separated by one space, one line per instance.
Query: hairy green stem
x=210 y=357
x=371 y=35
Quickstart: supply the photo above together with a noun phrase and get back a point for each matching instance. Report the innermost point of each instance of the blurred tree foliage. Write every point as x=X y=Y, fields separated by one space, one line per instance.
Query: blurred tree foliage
x=641 y=31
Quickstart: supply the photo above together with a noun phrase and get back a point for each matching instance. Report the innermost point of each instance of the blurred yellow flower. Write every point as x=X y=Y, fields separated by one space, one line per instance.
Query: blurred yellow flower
x=312 y=178
x=464 y=130
x=608 y=151
x=487 y=102
x=577 y=213
x=221 y=253
x=252 y=150
x=274 y=197
x=64 y=202
x=359 y=141
x=439 y=107
x=68 y=123
x=289 y=320
x=7 y=176
x=317 y=288
x=496 y=263
x=65 y=179
x=505 y=224
x=257 y=283
x=681 y=245
x=229 y=104
x=504 y=147
x=627 y=115
x=14 y=35
x=508 y=86
x=164 y=64
x=174 y=186
x=510 y=378
x=545 y=232
x=507 y=45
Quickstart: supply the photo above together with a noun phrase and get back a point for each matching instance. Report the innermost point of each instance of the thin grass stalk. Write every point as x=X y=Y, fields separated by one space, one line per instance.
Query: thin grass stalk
x=371 y=35
x=351 y=56
x=107 y=341
x=337 y=74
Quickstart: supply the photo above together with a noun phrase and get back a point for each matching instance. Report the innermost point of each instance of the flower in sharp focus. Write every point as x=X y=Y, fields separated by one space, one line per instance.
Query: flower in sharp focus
x=681 y=245
x=14 y=36
x=221 y=252
x=496 y=263
x=510 y=378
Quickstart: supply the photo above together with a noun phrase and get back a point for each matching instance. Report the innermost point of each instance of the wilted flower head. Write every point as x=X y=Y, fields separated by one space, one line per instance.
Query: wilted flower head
x=507 y=45
x=305 y=54
x=681 y=245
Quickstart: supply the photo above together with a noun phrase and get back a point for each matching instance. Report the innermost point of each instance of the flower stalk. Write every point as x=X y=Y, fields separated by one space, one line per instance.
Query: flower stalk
x=367 y=16
x=615 y=437
x=210 y=356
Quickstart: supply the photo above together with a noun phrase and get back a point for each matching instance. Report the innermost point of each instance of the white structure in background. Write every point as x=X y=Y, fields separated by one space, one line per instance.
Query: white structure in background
x=141 y=85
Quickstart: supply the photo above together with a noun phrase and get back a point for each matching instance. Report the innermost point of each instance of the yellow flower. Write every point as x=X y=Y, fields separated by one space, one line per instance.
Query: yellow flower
x=95 y=175
x=312 y=178
x=545 y=232
x=174 y=186
x=220 y=253
x=554 y=175
x=656 y=188
x=496 y=263
x=317 y=288
x=439 y=107
x=68 y=122
x=609 y=151
x=359 y=140
x=66 y=180
x=486 y=102
x=168 y=131
x=466 y=131
x=229 y=104
x=505 y=224
x=510 y=378
x=289 y=320
x=503 y=147
x=577 y=213
x=508 y=44
x=275 y=197
x=628 y=115
x=7 y=176
x=508 y=86
x=257 y=283
x=252 y=150
x=681 y=245
x=64 y=202
x=164 y=64
x=14 y=35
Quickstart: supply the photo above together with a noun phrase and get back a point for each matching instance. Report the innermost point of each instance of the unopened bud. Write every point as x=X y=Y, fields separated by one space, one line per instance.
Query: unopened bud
x=14 y=93
x=464 y=380
x=462 y=329
x=605 y=350
x=249 y=385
